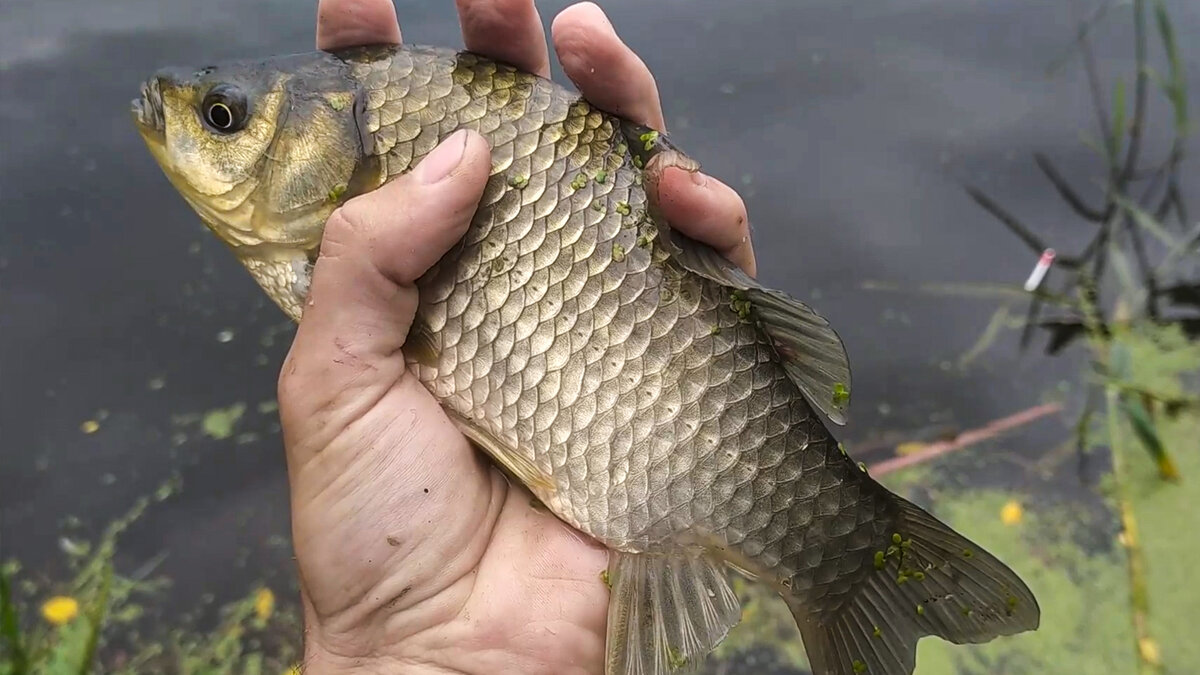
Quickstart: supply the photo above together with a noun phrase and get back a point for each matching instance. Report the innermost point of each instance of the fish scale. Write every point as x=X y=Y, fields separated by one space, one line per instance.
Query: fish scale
x=650 y=393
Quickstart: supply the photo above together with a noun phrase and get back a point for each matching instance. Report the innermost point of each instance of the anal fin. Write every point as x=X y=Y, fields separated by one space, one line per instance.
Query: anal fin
x=666 y=612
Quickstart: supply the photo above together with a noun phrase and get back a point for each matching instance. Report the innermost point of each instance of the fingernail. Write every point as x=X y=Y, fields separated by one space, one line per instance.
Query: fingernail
x=699 y=178
x=441 y=161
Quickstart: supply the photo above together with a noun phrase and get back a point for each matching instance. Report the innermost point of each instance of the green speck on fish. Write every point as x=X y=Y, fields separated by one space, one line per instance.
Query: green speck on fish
x=518 y=182
x=618 y=253
x=648 y=139
x=968 y=553
x=336 y=193
x=637 y=161
x=339 y=101
x=597 y=205
x=579 y=183
x=920 y=610
x=715 y=330
x=623 y=208
x=675 y=659
x=877 y=632
x=645 y=240
x=879 y=558
x=859 y=666
x=604 y=578
x=739 y=303
x=1010 y=603
x=862 y=466
x=841 y=395
x=601 y=176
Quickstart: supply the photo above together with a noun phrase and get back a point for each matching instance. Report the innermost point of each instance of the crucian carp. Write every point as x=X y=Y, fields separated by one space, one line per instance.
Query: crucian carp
x=649 y=392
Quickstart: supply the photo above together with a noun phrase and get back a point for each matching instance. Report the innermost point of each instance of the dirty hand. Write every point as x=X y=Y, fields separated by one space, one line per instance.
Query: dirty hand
x=414 y=554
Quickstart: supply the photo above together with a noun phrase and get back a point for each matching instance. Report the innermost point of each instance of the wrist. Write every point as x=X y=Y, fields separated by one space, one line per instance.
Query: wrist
x=317 y=661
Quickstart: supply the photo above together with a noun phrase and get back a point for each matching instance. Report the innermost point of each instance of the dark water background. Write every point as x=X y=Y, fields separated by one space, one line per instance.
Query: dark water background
x=849 y=127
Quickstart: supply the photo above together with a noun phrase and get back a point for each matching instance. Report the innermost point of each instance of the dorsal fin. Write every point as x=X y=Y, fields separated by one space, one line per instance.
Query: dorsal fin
x=812 y=352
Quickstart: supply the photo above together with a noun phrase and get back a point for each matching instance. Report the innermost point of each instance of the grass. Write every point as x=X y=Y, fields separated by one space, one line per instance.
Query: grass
x=92 y=622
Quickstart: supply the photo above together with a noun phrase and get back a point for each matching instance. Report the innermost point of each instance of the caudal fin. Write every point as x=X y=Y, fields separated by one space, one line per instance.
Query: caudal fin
x=930 y=581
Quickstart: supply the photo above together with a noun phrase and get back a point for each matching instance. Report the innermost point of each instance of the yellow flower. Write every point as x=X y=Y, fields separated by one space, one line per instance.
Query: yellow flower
x=1012 y=512
x=60 y=609
x=264 y=603
x=1148 y=649
x=910 y=448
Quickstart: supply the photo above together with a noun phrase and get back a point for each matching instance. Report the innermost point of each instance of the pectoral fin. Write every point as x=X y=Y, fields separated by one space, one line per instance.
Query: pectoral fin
x=666 y=613
x=510 y=459
x=812 y=352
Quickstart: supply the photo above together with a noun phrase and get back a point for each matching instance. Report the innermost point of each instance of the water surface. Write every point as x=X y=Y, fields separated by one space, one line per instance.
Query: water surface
x=849 y=126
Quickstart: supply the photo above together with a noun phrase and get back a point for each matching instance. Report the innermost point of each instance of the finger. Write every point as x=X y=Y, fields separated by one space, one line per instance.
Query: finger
x=361 y=303
x=710 y=211
x=606 y=71
x=351 y=23
x=506 y=30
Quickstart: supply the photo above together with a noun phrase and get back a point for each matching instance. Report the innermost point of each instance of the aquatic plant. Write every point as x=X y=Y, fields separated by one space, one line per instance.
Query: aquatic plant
x=1139 y=201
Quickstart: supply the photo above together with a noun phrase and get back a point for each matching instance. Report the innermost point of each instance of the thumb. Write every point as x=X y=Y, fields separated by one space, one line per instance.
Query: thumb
x=362 y=299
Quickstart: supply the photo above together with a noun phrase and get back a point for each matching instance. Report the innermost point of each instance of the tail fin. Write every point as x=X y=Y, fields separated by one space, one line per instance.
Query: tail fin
x=931 y=581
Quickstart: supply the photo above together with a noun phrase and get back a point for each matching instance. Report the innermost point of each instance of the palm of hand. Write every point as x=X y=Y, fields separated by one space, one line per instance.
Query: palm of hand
x=467 y=575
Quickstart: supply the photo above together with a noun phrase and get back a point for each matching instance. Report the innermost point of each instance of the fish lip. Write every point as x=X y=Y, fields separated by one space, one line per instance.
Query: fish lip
x=148 y=108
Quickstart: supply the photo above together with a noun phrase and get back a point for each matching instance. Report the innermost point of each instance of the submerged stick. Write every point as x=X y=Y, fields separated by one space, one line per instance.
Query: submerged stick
x=966 y=439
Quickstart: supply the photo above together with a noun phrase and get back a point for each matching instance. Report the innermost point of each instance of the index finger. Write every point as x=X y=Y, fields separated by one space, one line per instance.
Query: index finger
x=506 y=30
x=350 y=23
x=608 y=73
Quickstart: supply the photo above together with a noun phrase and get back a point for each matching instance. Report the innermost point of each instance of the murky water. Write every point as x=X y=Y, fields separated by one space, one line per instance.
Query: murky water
x=849 y=127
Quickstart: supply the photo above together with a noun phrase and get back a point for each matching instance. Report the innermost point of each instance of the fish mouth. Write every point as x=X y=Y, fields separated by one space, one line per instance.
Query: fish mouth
x=148 y=108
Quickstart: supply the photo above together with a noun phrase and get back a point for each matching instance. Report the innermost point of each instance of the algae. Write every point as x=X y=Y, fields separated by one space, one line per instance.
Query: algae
x=220 y=422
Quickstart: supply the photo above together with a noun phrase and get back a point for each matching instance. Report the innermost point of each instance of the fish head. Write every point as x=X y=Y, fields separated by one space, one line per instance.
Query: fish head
x=263 y=152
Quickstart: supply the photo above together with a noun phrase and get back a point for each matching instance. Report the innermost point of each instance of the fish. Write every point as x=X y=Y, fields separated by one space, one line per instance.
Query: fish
x=650 y=393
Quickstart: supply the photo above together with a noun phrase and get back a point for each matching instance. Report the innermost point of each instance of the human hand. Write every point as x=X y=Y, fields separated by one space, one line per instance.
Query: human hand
x=414 y=553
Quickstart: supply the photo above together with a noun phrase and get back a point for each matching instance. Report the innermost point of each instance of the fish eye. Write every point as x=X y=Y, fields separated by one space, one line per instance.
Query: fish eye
x=224 y=109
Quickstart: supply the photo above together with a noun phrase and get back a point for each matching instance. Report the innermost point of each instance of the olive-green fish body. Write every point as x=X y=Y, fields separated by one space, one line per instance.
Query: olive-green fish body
x=649 y=392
